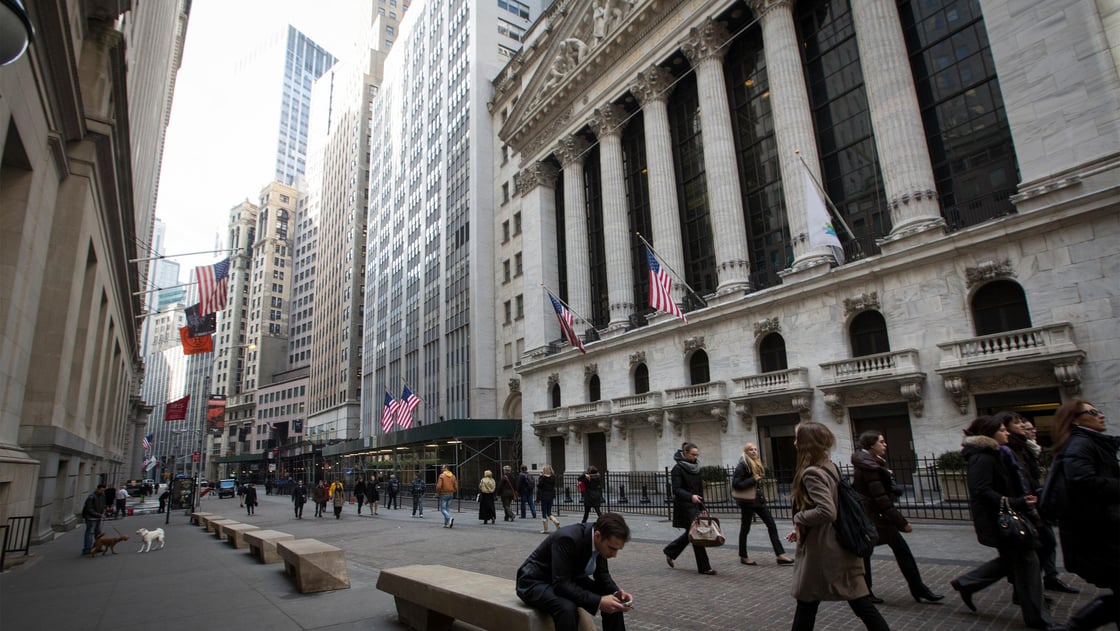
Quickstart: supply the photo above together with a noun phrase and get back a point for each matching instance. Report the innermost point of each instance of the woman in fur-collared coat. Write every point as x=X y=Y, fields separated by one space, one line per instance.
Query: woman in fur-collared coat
x=823 y=570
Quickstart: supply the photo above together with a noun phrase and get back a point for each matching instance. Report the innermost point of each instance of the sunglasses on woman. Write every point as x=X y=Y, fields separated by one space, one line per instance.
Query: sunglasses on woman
x=1092 y=412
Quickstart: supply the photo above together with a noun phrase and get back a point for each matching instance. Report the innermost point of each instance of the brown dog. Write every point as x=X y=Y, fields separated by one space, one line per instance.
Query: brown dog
x=106 y=544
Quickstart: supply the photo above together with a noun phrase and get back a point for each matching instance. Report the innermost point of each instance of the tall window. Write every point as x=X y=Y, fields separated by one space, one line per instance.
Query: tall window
x=636 y=180
x=868 y=332
x=641 y=379
x=772 y=353
x=593 y=388
x=692 y=190
x=962 y=109
x=593 y=190
x=849 y=160
x=561 y=242
x=698 y=368
x=1000 y=306
x=554 y=394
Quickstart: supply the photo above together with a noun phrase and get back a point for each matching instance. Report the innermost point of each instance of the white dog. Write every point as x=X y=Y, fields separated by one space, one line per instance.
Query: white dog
x=148 y=537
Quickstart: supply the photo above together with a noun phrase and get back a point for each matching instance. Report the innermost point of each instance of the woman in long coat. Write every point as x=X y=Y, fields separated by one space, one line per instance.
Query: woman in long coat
x=592 y=492
x=687 y=499
x=486 y=488
x=824 y=570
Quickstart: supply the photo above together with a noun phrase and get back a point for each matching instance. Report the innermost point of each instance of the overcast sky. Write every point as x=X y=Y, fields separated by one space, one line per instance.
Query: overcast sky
x=199 y=181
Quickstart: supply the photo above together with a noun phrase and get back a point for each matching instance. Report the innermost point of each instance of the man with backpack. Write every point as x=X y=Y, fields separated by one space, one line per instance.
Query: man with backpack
x=418 y=490
x=525 y=491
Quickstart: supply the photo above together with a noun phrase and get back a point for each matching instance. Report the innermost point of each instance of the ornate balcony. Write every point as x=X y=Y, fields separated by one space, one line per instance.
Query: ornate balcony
x=1037 y=356
x=776 y=392
x=697 y=403
x=882 y=377
x=637 y=410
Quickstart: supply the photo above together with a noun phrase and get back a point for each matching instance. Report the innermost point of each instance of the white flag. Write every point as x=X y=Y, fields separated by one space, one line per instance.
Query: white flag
x=821 y=231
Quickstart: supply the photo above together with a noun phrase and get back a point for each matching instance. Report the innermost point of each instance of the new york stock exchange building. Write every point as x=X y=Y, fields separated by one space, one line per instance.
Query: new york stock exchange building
x=968 y=153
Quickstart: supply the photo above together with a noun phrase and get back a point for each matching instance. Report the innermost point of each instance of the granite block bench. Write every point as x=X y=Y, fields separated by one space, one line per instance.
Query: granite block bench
x=196 y=518
x=262 y=544
x=315 y=566
x=216 y=526
x=433 y=597
x=235 y=533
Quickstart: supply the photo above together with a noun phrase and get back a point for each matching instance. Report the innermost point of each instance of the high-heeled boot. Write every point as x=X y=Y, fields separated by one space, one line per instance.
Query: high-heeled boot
x=544 y=526
x=925 y=593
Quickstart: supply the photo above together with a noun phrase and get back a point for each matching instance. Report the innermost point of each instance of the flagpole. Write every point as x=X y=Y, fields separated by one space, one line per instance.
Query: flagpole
x=166 y=256
x=832 y=207
x=567 y=306
x=662 y=261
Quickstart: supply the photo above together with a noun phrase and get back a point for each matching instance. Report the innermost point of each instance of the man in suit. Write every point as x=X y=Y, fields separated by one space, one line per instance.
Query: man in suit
x=569 y=570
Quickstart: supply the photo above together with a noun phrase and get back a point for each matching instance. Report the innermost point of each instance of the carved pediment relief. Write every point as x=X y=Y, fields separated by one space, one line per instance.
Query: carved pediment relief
x=767 y=326
x=862 y=302
x=988 y=270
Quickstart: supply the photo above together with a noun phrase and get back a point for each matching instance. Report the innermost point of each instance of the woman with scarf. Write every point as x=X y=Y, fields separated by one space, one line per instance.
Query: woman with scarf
x=993 y=477
x=749 y=474
x=687 y=502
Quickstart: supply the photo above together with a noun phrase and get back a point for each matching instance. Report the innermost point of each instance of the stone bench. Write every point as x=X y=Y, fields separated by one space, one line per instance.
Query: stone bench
x=235 y=533
x=262 y=544
x=215 y=526
x=433 y=597
x=205 y=520
x=315 y=566
x=196 y=518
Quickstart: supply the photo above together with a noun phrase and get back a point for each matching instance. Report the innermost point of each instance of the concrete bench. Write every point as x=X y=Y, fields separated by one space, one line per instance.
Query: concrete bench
x=315 y=566
x=262 y=544
x=235 y=533
x=433 y=597
x=205 y=520
x=196 y=518
x=215 y=526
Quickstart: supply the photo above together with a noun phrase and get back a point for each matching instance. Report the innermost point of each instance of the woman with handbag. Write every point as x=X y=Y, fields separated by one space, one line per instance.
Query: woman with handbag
x=507 y=490
x=546 y=493
x=486 y=487
x=592 y=492
x=876 y=487
x=995 y=489
x=746 y=489
x=687 y=501
x=824 y=570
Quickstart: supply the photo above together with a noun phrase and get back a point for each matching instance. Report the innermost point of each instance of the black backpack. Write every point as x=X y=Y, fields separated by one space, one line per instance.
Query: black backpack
x=855 y=532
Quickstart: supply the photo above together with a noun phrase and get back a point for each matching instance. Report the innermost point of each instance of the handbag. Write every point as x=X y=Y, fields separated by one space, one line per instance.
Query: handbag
x=745 y=495
x=705 y=531
x=1015 y=530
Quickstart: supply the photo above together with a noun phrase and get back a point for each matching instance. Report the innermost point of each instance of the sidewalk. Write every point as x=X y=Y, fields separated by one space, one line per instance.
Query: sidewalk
x=195 y=582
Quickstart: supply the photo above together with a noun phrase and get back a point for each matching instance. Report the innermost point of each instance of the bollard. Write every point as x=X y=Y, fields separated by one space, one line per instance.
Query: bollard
x=645 y=495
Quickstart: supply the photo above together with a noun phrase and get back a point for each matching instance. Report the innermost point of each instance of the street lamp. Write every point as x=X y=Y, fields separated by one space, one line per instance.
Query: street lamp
x=16 y=31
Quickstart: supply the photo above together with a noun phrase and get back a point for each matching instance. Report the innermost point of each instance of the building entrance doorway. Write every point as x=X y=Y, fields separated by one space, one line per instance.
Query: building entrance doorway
x=893 y=420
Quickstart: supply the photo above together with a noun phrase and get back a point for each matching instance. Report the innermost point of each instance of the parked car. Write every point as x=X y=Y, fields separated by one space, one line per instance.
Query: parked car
x=227 y=488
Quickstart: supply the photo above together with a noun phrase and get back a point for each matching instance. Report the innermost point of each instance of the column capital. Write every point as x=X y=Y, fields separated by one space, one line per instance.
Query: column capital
x=571 y=148
x=762 y=6
x=534 y=175
x=706 y=41
x=608 y=120
x=653 y=83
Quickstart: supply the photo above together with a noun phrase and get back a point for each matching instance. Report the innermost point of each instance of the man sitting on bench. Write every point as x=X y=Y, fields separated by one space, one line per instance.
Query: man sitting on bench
x=569 y=570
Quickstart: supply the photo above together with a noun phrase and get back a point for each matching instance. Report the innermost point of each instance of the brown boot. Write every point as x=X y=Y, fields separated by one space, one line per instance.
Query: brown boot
x=544 y=526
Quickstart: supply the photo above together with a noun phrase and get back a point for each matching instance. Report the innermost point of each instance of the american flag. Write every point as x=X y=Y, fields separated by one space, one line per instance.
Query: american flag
x=661 y=288
x=409 y=403
x=213 y=286
x=148 y=441
x=388 y=413
x=566 y=323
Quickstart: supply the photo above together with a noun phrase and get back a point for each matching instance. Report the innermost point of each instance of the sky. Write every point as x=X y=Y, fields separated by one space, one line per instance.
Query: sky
x=202 y=175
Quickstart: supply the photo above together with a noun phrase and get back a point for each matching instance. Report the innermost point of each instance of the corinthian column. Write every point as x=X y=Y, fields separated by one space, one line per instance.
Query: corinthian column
x=607 y=124
x=652 y=88
x=705 y=49
x=536 y=184
x=896 y=118
x=571 y=150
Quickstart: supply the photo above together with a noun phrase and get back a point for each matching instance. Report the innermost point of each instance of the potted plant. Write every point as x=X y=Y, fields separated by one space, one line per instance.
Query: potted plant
x=951 y=476
x=715 y=484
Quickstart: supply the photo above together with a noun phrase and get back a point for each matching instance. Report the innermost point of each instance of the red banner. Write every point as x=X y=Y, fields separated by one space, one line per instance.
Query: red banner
x=177 y=410
x=216 y=414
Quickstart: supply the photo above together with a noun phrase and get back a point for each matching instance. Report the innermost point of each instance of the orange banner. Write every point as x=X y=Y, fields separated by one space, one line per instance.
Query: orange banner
x=195 y=345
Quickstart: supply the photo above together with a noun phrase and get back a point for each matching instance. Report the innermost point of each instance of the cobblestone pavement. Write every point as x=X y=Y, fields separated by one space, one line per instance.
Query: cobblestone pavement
x=739 y=597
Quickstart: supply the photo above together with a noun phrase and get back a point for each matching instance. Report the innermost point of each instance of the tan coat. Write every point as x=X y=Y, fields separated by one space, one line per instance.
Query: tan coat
x=446 y=484
x=824 y=570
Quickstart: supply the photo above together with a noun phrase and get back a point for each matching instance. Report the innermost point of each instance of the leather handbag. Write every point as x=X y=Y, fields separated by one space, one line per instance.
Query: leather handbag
x=745 y=495
x=1015 y=530
x=705 y=531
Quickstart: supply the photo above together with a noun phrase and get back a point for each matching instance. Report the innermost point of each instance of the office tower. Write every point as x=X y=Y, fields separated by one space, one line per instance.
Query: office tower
x=970 y=275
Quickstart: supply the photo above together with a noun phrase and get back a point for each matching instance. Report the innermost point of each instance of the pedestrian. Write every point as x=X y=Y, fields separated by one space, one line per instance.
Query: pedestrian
x=393 y=488
x=824 y=570
x=251 y=498
x=687 y=503
x=240 y=495
x=1087 y=466
x=373 y=492
x=360 y=493
x=486 y=488
x=446 y=486
x=749 y=474
x=525 y=492
x=299 y=498
x=877 y=489
x=546 y=493
x=164 y=497
x=507 y=490
x=592 y=487
x=110 y=502
x=993 y=479
x=337 y=494
x=568 y=571
x=122 y=503
x=92 y=511
x=1030 y=474
x=418 y=490
x=268 y=486
x=319 y=496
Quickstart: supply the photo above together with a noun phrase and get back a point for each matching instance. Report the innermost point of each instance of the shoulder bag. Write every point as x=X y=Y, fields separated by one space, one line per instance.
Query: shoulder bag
x=705 y=531
x=1015 y=530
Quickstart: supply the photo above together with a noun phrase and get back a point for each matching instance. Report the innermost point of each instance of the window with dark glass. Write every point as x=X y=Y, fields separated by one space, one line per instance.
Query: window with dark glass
x=641 y=379
x=962 y=109
x=636 y=180
x=868 y=332
x=772 y=353
x=555 y=395
x=698 y=368
x=593 y=388
x=1000 y=306
x=561 y=242
x=757 y=148
x=849 y=160
x=692 y=189
x=597 y=257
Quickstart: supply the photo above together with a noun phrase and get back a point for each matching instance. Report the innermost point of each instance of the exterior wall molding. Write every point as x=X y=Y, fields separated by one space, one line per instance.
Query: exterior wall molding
x=862 y=302
x=987 y=271
x=767 y=326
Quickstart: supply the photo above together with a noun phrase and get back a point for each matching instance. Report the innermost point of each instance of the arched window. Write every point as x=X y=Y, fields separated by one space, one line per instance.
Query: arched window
x=593 y=388
x=868 y=332
x=555 y=395
x=772 y=353
x=698 y=368
x=1000 y=306
x=641 y=379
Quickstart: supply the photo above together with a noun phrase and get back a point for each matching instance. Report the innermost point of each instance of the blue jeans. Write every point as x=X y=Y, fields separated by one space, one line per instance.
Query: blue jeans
x=528 y=497
x=93 y=530
x=445 y=507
